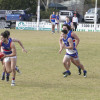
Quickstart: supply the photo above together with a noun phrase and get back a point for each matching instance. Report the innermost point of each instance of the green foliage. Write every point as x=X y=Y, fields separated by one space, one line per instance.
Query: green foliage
x=19 y=4
x=93 y=1
x=46 y=14
x=87 y=1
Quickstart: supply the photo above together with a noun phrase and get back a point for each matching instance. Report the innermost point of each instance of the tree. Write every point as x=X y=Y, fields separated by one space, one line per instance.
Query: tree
x=45 y=4
x=92 y=2
x=98 y=3
x=30 y=5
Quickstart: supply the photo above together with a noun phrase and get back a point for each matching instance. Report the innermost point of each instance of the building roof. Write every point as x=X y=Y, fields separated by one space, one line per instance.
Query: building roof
x=69 y=3
x=56 y=5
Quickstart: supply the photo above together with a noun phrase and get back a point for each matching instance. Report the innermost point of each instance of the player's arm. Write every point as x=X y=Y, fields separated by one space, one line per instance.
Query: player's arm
x=50 y=18
x=13 y=49
x=60 y=41
x=70 y=44
x=72 y=26
x=76 y=38
x=20 y=43
x=61 y=44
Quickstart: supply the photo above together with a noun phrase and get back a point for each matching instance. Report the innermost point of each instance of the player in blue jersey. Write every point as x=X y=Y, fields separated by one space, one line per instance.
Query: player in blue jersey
x=75 y=40
x=57 y=21
x=23 y=49
x=52 y=20
x=10 y=57
x=69 y=22
x=71 y=52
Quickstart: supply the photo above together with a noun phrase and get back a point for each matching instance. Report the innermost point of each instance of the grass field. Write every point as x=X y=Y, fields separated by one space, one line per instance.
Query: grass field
x=42 y=68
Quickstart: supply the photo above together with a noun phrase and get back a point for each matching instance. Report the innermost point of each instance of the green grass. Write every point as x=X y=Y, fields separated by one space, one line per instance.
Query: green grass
x=42 y=68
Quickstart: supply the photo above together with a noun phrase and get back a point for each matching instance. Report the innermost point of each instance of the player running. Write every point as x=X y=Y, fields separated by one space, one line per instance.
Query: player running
x=71 y=52
x=75 y=40
x=10 y=56
x=16 y=68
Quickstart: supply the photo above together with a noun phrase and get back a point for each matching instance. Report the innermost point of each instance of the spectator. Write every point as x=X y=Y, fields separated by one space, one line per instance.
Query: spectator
x=77 y=14
x=75 y=22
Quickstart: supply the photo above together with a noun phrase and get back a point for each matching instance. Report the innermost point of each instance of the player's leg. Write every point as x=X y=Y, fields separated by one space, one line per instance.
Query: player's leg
x=8 y=74
x=58 y=27
x=13 y=65
x=7 y=66
x=4 y=71
x=66 y=63
x=53 y=27
x=17 y=69
x=81 y=66
x=79 y=69
x=75 y=26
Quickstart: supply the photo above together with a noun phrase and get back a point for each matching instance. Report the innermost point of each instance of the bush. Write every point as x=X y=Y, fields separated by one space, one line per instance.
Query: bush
x=46 y=14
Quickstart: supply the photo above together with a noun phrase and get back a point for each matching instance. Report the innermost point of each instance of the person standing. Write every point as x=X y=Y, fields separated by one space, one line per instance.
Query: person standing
x=52 y=21
x=57 y=21
x=75 y=21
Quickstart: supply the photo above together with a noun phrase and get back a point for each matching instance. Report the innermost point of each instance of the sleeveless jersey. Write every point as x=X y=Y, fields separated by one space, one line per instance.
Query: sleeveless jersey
x=69 y=23
x=53 y=17
x=57 y=16
x=10 y=39
x=6 y=47
x=69 y=51
x=69 y=35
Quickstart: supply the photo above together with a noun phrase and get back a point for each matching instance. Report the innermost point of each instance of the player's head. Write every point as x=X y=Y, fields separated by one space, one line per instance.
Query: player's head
x=64 y=33
x=57 y=13
x=67 y=19
x=66 y=27
x=53 y=12
x=4 y=36
x=74 y=15
x=7 y=32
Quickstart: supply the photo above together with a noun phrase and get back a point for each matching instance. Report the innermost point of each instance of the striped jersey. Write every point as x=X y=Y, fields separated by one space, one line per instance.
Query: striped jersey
x=69 y=35
x=69 y=23
x=69 y=51
x=7 y=47
x=53 y=17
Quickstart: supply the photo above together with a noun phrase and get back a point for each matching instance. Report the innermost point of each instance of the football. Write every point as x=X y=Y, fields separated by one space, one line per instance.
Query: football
x=1 y=55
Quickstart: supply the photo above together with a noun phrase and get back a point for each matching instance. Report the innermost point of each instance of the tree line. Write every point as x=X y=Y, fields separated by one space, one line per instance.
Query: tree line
x=29 y=5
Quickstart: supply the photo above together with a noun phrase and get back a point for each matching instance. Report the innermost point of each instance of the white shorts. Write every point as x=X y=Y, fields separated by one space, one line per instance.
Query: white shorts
x=53 y=23
x=68 y=56
x=7 y=59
